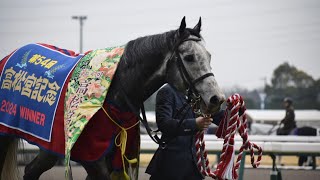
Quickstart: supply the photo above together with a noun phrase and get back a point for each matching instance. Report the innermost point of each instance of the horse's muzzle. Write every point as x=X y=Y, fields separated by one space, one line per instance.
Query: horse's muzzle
x=215 y=103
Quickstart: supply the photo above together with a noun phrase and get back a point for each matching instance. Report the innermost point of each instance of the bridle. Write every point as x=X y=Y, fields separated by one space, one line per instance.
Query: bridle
x=193 y=96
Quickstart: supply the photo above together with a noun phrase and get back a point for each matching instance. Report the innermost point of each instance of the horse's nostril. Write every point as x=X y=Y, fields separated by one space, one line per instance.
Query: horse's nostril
x=214 y=99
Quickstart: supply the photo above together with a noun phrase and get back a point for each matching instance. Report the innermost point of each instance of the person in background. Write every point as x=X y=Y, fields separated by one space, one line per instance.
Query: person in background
x=175 y=159
x=288 y=121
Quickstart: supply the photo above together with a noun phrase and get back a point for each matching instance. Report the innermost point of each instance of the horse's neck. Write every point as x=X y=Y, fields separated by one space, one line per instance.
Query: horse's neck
x=138 y=78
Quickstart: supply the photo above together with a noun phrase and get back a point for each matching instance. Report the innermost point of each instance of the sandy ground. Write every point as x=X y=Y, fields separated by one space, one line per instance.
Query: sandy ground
x=57 y=173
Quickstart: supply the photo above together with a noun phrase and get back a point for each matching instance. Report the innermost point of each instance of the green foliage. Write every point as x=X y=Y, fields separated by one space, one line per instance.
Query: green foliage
x=288 y=81
x=286 y=76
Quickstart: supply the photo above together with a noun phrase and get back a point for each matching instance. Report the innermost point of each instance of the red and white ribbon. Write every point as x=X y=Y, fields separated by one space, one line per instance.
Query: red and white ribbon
x=231 y=123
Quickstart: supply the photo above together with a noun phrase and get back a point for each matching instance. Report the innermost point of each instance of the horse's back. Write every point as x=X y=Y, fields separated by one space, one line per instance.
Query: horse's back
x=306 y=131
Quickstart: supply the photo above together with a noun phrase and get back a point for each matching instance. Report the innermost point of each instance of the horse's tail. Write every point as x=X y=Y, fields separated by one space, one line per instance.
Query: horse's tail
x=10 y=166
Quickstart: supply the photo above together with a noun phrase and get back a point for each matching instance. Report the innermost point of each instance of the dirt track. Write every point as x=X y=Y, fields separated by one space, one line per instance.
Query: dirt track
x=57 y=173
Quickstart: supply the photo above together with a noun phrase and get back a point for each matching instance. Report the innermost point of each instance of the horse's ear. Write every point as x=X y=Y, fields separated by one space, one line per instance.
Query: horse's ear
x=198 y=26
x=182 y=25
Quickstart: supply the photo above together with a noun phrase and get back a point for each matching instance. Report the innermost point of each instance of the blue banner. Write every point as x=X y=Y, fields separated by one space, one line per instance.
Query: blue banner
x=30 y=88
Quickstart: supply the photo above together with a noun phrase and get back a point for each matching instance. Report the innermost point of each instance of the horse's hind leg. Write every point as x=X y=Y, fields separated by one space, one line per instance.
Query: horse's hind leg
x=97 y=170
x=4 y=145
x=43 y=162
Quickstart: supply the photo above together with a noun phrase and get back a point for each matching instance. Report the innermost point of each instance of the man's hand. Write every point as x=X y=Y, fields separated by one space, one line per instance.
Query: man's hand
x=203 y=122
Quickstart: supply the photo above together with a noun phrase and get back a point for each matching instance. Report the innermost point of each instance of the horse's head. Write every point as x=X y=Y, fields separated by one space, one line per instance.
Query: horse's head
x=189 y=68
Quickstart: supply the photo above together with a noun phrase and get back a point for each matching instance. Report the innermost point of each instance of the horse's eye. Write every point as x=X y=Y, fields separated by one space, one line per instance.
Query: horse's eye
x=189 y=58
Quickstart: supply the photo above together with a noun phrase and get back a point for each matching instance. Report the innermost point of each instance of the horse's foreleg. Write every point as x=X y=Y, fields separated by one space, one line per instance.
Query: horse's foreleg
x=97 y=170
x=43 y=162
x=5 y=143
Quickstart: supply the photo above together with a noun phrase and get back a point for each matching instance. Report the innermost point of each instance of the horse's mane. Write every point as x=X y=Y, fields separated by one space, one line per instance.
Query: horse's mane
x=145 y=47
